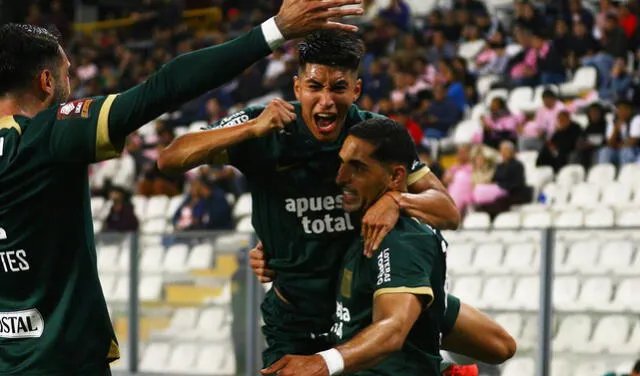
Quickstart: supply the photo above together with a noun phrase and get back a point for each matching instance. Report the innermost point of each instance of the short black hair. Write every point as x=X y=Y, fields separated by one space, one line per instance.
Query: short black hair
x=392 y=141
x=334 y=48
x=25 y=51
x=548 y=93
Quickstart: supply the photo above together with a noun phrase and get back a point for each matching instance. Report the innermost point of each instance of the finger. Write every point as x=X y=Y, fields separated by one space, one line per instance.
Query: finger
x=286 y=116
x=369 y=250
x=257 y=264
x=366 y=228
x=259 y=245
x=328 y=4
x=264 y=279
x=269 y=273
x=285 y=104
x=339 y=26
x=275 y=367
x=377 y=240
x=337 y=13
x=256 y=254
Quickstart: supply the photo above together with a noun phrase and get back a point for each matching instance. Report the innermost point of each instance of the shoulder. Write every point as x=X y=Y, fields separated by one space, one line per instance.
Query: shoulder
x=356 y=115
x=409 y=233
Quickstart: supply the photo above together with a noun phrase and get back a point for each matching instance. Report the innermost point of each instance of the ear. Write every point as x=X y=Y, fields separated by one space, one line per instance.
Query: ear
x=47 y=82
x=297 y=89
x=357 y=90
x=398 y=178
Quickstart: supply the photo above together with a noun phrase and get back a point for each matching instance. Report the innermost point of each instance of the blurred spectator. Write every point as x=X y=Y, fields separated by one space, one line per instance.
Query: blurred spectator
x=450 y=28
x=557 y=151
x=614 y=40
x=493 y=59
x=508 y=179
x=458 y=179
x=398 y=14
x=377 y=83
x=468 y=79
x=562 y=39
x=121 y=217
x=606 y=8
x=524 y=66
x=455 y=89
x=628 y=20
x=549 y=61
x=441 y=48
x=225 y=177
x=214 y=111
x=275 y=67
x=622 y=137
x=618 y=84
x=579 y=14
x=404 y=118
x=498 y=125
x=425 y=155
x=593 y=137
x=528 y=17
x=581 y=44
x=472 y=6
x=204 y=208
x=59 y=18
x=534 y=133
x=439 y=115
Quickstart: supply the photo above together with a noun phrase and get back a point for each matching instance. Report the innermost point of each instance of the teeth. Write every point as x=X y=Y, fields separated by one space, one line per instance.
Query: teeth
x=326 y=116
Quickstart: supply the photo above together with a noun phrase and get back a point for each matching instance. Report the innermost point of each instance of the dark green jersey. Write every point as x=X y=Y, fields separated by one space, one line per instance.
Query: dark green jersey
x=297 y=207
x=411 y=259
x=53 y=316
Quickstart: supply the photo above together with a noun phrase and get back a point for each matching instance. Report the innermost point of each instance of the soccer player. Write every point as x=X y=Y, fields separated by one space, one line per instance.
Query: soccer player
x=53 y=316
x=289 y=155
x=390 y=309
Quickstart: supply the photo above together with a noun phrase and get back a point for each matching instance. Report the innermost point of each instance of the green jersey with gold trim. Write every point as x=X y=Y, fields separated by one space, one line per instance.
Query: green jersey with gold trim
x=297 y=208
x=53 y=315
x=411 y=259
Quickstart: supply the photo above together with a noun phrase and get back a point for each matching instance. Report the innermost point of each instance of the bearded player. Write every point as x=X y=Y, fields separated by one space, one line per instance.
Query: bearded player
x=53 y=316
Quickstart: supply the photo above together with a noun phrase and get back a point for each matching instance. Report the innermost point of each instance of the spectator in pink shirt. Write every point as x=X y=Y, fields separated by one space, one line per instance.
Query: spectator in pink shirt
x=498 y=125
x=458 y=178
x=524 y=72
x=536 y=132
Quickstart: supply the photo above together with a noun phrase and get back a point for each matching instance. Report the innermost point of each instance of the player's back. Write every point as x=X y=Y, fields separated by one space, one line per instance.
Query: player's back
x=53 y=316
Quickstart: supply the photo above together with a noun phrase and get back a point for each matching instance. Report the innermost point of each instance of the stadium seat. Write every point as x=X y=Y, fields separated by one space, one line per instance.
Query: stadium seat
x=183 y=320
x=469 y=50
x=483 y=84
x=526 y=294
x=468 y=289
x=597 y=367
x=630 y=174
x=243 y=206
x=521 y=258
x=529 y=336
x=477 y=111
x=151 y=259
x=513 y=49
x=175 y=260
x=561 y=367
x=603 y=217
x=528 y=158
x=519 y=367
x=536 y=220
x=615 y=194
x=596 y=294
x=156 y=226
x=139 y=206
x=459 y=258
x=570 y=175
x=174 y=204
x=573 y=331
x=108 y=258
x=464 y=131
x=488 y=258
x=108 y=283
x=497 y=293
x=601 y=174
x=610 y=332
x=633 y=345
x=244 y=225
x=201 y=257
x=628 y=218
x=197 y=126
x=507 y=220
x=584 y=195
x=556 y=195
x=180 y=131
x=124 y=260
x=582 y=257
x=157 y=207
x=511 y=322
x=520 y=99
x=150 y=288
x=581 y=119
x=182 y=358
x=210 y=359
x=121 y=290
x=569 y=219
x=154 y=357
x=96 y=207
x=212 y=325
x=565 y=292
x=584 y=79
x=627 y=296
x=477 y=221
x=615 y=256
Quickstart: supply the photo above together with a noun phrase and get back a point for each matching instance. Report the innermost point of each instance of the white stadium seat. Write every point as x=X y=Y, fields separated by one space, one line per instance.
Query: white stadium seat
x=513 y=48
x=565 y=292
x=197 y=126
x=469 y=50
x=173 y=206
x=511 y=322
x=519 y=367
x=602 y=174
x=108 y=256
x=151 y=259
x=212 y=324
x=633 y=345
x=121 y=290
x=584 y=79
x=175 y=260
x=528 y=158
x=150 y=288
x=526 y=295
x=483 y=84
x=556 y=194
x=139 y=206
x=537 y=220
x=615 y=256
x=154 y=357
x=630 y=175
x=497 y=293
x=560 y=367
x=183 y=358
x=180 y=131
x=477 y=111
x=183 y=320
x=243 y=206
x=201 y=257
x=573 y=331
x=582 y=257
x=627 y=296
x=628 y=218
x=468 y=289
x=459 y=257
x=96 y=206
x=570 y=175
x=604 y=217
x=529 y=336
x=244 y=225
x=477 y=220
x=521 y=258
x=488 y=257
x=210 y=359
x=596 y=294
x=507 y=220
x=520 y=99
x=615 y=194
x=569 y=219
x=610 y=332
x=156 y=226
x=157 y=207
x=596 y=367
x=465 y=130
x=584 y=195
x=108 y=283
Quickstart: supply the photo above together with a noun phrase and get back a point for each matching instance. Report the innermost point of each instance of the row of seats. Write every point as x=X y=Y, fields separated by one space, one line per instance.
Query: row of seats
x=569 y=293
x=178 y=258
x=525 y=366
x=617 y=258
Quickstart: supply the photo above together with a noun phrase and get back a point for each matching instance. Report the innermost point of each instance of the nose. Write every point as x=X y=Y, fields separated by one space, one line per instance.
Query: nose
x=342 y=177
x=326 y=100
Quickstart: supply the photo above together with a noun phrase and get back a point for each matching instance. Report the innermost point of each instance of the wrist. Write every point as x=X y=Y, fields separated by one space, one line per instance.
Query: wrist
x=334 y=361
x=272 y=33
x=396 y=197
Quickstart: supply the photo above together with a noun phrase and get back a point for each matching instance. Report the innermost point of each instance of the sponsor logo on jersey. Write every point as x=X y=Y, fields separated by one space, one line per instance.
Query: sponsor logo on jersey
x=384 y=267
x=75 y=109
x=21 y=324
x=345 y=286
x=342 y=316
x=310 y=212
x=237 y=118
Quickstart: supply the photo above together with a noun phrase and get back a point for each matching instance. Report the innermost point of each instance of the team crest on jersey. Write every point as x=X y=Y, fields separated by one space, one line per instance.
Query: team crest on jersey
x=75 y=109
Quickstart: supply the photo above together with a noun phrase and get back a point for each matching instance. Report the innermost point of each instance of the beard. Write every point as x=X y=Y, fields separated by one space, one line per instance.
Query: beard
x=60 y=94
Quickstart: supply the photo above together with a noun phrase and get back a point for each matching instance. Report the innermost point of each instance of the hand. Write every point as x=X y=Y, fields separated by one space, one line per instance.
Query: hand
x=293 y=365
x=258 y=264
x=299 y=17
x=379 y=219
x=276 y=116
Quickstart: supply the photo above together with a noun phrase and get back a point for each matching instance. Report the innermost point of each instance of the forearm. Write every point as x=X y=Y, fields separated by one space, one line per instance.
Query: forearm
x=371 y=345
x=195 y=149
x=433 y=206
x=182 y=79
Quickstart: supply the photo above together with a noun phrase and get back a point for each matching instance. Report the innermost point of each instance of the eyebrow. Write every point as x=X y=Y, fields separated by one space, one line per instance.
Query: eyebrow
x=354 y=162
x=313 y=82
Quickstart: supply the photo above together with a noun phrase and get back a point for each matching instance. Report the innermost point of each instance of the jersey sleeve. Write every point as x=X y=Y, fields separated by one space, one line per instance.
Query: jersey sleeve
x=404 y=267
x=450 y=314
x=80 y=130
x=242 y=154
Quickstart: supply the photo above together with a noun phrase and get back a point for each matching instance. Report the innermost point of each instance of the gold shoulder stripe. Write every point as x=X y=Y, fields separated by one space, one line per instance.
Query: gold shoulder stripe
x=415 y=176
x=425 y=290
x=104 y=148
x=8 y=122
x=114 y=351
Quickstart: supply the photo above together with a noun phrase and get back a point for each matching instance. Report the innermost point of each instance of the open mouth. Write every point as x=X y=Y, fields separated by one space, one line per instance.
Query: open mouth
x=325 y=122
x=348 y=197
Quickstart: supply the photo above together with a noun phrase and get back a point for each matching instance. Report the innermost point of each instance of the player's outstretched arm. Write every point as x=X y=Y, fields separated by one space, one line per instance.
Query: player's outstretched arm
x=193 y=74
x=393 y=318
x=477 y=336
x=195 y=149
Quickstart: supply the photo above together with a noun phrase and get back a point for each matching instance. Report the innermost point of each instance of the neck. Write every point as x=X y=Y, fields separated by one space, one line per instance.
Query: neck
x=25 y=105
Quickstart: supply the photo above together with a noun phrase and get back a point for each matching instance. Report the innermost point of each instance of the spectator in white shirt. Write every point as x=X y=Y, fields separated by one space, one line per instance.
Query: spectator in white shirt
x=622 y=137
